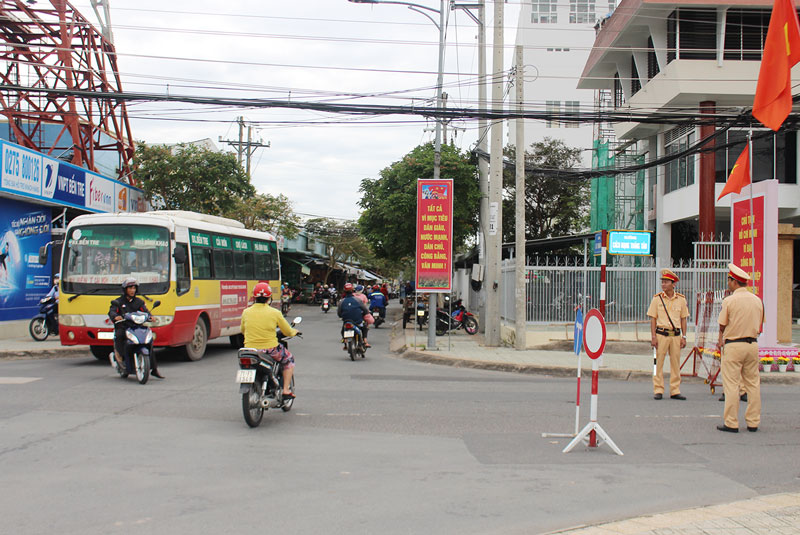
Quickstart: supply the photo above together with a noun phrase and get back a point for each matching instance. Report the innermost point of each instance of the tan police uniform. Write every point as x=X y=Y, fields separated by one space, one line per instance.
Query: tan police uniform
x=742 y=316
x=669 y=337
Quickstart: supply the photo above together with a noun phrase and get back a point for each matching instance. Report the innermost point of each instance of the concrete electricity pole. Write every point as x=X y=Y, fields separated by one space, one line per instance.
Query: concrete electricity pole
x=495 y=231
x=244 y=148
x=520 y=294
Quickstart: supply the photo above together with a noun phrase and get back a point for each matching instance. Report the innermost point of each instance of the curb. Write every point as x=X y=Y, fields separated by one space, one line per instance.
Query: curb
x=44 y=354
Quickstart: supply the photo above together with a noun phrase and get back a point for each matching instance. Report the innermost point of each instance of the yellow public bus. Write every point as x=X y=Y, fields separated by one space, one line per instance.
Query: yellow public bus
x=202 y=268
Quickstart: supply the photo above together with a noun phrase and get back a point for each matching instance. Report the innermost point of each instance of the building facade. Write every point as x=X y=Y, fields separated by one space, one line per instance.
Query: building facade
x=701 y=58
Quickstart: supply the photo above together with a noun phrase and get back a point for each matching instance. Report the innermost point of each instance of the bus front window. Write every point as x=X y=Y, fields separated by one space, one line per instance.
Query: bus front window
x=98 y=258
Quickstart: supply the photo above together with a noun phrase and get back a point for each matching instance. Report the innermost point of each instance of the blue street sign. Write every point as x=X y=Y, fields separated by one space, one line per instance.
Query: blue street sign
x=629 y=242
x=578 y=331
x=598 y=243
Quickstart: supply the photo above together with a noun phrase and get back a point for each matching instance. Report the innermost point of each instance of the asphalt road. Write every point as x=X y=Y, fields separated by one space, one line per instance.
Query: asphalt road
x=381 y=445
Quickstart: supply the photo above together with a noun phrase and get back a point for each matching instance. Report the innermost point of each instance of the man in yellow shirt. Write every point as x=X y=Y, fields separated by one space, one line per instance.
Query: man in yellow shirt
x=740 y=322
x=259 y=324
x=667 y=312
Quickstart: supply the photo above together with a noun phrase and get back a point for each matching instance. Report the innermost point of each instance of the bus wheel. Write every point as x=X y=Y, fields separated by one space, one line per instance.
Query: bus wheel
x=195 y=349
x=101 y=352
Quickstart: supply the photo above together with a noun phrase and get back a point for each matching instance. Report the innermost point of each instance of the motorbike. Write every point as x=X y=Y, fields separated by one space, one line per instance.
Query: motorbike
x=353 y=340
x=45 y=322
x=459 y=318
x=422 y=315
x=138 y=348
x=285 y=304
x=326 y=305
x=378 y=313
x=261 y=382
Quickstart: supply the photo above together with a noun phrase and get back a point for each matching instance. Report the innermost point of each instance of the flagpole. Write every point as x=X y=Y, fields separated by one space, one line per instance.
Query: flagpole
x=752 y=215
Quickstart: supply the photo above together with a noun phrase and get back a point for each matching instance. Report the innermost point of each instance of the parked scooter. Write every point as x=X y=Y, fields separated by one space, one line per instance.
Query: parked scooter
x=261 y=382
x=354 y=341
x=326 y=305
x=459 y=318
x=138 y=348
x=45 y=322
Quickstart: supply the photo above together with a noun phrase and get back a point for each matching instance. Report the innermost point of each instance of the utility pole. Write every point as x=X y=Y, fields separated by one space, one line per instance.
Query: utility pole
x=245 y=148
x=520 y=293
x=483 y=165
x=495 y=239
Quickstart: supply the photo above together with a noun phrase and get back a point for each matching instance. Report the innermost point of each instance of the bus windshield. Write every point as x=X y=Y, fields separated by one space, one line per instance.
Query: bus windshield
x=98 y=258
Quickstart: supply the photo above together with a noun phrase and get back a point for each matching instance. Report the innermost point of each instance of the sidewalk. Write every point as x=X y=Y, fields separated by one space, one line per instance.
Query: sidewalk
x=621 y=360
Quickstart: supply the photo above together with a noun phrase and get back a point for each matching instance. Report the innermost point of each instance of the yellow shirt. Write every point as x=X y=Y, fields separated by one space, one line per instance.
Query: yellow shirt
x=676 y=305
x=259 y=322
x=742 y=315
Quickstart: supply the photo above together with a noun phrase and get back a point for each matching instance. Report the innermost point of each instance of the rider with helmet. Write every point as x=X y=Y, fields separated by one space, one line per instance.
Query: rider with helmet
x=378 y=301
x=353 y=310
x=128 y=302
x=54 y=290
x=259 y=324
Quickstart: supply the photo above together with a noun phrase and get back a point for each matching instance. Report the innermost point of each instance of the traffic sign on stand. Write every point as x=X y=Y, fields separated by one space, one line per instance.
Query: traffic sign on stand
x=577 y=349
x=594 y=342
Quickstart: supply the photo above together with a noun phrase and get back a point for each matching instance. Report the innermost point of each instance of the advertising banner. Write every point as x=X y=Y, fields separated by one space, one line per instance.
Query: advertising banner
x=744 y=256
x=22 y=170
x=23 y=281
x=434 y=235
x=233 y=301
x=100 y=193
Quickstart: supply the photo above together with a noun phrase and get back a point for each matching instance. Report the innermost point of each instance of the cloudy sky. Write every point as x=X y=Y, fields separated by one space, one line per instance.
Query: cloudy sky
x=303 y=50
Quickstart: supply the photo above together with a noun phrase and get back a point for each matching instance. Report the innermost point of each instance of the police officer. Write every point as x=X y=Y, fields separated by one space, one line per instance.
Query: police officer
x=740 y=323
x=668 y=313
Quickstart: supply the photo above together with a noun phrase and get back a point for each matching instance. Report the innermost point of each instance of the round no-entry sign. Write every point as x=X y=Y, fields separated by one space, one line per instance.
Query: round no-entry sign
x=594 y=333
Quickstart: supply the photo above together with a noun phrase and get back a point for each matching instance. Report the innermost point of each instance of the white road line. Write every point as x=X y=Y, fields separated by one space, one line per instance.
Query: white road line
x=18 y=380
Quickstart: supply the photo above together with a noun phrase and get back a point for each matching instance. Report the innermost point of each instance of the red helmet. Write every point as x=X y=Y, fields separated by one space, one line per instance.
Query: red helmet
x=376 y=287
x=348 y=287
x=262 y=289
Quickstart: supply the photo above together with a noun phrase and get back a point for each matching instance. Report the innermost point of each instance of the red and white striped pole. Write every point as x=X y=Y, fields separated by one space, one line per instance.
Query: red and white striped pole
x=593 y=406
x=603 y=250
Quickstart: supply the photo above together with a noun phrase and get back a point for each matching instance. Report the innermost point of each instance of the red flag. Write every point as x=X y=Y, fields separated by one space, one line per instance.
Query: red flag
x=740 y=174
x=773 y=101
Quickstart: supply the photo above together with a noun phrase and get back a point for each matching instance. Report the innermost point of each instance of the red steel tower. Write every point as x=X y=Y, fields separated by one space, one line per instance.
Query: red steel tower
x=49 y=45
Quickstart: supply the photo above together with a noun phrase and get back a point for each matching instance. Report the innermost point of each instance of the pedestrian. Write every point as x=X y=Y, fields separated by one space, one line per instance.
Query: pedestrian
x=740 y=322
x=668 y=310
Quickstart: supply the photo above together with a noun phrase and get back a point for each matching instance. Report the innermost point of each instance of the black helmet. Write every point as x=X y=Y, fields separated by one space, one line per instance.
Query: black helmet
x=130 y=281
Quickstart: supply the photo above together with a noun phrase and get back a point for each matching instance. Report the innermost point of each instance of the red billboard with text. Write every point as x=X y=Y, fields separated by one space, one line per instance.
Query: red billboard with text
x=748 y=239
x=434 y=235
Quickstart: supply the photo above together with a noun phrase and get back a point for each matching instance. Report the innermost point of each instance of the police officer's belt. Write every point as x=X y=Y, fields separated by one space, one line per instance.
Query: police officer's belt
x=745 y=340
x=668 y=332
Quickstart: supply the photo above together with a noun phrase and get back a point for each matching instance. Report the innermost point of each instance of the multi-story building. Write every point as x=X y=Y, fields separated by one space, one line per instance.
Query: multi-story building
x=695 y=57
x=556 y=38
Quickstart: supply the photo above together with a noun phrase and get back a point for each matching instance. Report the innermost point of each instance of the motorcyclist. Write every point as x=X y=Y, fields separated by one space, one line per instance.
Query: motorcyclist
x=359 y=294
x=377 y=300
x=353 y=310
x=332 y=292
x=259 y=324
x=128 y=302
x=54 y=290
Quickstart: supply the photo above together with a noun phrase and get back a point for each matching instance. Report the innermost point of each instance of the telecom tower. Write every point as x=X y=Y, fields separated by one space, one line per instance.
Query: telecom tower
x=48 y=51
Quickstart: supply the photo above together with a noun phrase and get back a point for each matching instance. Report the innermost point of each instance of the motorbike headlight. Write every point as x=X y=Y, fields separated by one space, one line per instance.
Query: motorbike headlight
x=160 y=321
x=71 y=320
x=131 y=337
x=149 y=338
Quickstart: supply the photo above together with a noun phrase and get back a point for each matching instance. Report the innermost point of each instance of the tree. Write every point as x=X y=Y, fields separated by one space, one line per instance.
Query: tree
x=341 y=238
x=389 y=219
x=553 y=206
x=188 y=177
x=265 y=212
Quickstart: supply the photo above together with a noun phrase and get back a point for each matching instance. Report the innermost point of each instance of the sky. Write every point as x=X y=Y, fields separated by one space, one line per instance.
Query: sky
x=300 y=50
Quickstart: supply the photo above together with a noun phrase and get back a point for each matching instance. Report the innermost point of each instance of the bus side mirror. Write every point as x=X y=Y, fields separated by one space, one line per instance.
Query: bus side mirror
x=43 y=255
x=179 y=255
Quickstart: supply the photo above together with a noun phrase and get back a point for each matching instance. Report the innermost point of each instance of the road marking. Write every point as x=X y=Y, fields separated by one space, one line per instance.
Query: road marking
x=18 y=380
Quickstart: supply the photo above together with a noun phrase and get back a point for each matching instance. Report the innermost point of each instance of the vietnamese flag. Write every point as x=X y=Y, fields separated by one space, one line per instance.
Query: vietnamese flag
x=773 y=101
x=740 y=174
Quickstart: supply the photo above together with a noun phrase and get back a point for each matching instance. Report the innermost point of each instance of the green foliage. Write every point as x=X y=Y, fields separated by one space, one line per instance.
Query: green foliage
x=553 y=206
x=389 y=219
x=188 y=177
x=342 y=240
x=265 y=212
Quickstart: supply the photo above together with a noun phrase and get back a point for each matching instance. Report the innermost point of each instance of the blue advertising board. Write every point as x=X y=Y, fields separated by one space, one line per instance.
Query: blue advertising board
x=598 y=243
x=629 y=242
x=23 y=281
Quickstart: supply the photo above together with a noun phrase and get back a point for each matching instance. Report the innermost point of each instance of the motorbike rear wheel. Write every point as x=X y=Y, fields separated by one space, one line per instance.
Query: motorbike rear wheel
x=470 y=325
x=253 y=411
x=38 y=329
x=351 y=349
x=141 y=364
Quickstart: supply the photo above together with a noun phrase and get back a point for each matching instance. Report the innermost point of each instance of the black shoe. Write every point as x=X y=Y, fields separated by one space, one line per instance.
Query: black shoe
x=658 y=396
x=155 y=373
x=752 y=429
x=727 y=429
x=722 y=397
x=743 y=397
x=678 y=396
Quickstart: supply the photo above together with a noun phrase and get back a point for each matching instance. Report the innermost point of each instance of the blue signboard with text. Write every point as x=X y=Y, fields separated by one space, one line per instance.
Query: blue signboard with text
x=629 y=242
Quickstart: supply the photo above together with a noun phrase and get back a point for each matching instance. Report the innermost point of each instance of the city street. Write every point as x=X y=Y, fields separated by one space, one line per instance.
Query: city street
x=380 y=445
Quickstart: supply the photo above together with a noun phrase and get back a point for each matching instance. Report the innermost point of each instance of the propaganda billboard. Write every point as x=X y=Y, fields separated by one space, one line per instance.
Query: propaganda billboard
x=434 y=235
